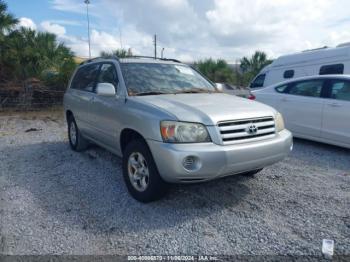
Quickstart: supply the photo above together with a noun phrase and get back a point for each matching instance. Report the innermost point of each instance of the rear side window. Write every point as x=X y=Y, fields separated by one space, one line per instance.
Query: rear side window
x=258 y=81
x=288 y=74
x=332 y=69
x=281 y=89
x=307 y=88
x=340 y=90
x=85 y=78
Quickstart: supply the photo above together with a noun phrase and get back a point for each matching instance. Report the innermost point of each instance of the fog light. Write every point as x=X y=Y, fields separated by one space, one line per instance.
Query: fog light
x=191 y=163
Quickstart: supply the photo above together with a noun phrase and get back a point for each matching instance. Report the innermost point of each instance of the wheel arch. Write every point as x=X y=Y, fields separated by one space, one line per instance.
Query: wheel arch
x=127 y=135
x=69 y=114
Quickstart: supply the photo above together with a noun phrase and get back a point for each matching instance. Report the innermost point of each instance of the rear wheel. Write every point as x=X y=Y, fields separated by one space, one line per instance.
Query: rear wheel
x=76 y=141
x=141 y=174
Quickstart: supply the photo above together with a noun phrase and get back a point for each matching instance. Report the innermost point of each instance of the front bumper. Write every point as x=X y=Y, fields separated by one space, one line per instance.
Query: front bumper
x=218 y=160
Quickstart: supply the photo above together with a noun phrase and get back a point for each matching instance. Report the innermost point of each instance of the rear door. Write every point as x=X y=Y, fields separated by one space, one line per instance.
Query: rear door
x=81 y=89
x=336 y=114
x=301 y=105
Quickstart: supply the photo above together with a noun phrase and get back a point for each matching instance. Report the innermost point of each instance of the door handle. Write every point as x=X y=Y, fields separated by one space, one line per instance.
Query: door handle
x=334 y=104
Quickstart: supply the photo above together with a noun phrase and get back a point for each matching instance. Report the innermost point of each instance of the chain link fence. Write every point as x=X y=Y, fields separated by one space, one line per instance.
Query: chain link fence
x=32 y=95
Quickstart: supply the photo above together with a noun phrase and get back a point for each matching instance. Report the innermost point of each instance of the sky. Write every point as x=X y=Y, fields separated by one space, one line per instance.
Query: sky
x=190 y=30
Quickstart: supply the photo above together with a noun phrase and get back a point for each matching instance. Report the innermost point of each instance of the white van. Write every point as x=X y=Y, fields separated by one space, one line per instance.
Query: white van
x=321 y=61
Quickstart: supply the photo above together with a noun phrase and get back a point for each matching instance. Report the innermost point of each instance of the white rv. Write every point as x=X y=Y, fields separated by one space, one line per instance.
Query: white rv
x=321 y=61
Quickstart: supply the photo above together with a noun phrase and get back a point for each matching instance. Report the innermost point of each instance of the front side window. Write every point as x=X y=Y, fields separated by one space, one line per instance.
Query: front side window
x=85 y=78
x=340 y=90
x=332 y=69
x=307 y=88
x=258 y=81
x=108 y=74
x=157 y=78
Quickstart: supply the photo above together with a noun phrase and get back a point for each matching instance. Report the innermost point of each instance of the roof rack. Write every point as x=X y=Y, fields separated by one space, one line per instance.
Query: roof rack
x=99 y=58
x=170 y=59
x=152 y=57
x=135 y=56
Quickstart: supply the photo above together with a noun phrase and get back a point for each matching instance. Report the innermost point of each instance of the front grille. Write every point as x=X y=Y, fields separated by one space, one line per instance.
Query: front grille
x=246 y=130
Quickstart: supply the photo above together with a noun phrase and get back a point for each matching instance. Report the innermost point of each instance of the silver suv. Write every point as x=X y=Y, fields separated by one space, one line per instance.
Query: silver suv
x=169 y=123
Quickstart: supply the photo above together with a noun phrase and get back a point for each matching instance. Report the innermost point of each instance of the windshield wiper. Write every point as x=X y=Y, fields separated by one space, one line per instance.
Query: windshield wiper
x=185 y=91
x=149 y=93
x=194 y=90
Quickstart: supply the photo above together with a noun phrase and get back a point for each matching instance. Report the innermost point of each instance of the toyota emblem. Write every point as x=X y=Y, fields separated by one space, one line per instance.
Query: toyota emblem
x=252 y=129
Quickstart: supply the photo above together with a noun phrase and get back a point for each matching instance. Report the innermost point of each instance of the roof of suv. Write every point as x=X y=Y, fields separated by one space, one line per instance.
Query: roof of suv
x=147 y=60
x=134 y=59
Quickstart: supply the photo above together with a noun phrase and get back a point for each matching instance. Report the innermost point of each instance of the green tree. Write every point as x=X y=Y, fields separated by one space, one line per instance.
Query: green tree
x=217 y=71
x=118 y=52
x=7 y=21
x=255 y=63
x=37 y=54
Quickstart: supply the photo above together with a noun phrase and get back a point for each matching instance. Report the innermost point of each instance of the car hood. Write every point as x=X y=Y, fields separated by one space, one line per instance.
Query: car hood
x=207 y=108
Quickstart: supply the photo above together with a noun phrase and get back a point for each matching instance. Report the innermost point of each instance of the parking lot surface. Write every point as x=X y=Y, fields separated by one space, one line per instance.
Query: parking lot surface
x=56 y=201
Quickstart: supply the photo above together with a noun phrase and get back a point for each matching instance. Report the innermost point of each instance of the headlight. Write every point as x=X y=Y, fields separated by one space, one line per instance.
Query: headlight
x=183 y=132
x=279 y=122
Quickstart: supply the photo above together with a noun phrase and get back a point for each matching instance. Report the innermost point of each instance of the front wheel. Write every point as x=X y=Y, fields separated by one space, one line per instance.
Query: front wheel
x=141 y=174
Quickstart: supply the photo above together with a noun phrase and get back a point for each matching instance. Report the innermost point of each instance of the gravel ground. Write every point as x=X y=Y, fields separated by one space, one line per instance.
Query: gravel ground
x=56 y=201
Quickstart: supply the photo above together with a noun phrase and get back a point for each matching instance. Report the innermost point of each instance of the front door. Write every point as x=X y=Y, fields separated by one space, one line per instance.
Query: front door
x=105 y=110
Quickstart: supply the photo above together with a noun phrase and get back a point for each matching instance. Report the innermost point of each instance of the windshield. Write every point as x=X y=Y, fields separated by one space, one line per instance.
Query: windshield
x=154 y=78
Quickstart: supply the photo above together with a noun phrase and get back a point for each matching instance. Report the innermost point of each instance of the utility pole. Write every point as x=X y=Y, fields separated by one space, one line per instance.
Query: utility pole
x=155 y=46
x=87 y=2
x=120 y=38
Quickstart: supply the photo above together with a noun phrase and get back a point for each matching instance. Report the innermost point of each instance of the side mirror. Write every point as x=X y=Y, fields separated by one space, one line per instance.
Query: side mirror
x=220 y=86
x=105 y=89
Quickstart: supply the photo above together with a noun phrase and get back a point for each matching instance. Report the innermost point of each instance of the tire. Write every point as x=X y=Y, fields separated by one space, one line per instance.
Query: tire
x=140 y=173
x=76 y=141
x=252 y=173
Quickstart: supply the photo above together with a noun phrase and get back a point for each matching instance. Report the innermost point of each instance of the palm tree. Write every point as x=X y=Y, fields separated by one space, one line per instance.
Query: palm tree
x=215 y=70
x=37 y=54
x=255 y=63
x=7 y=21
